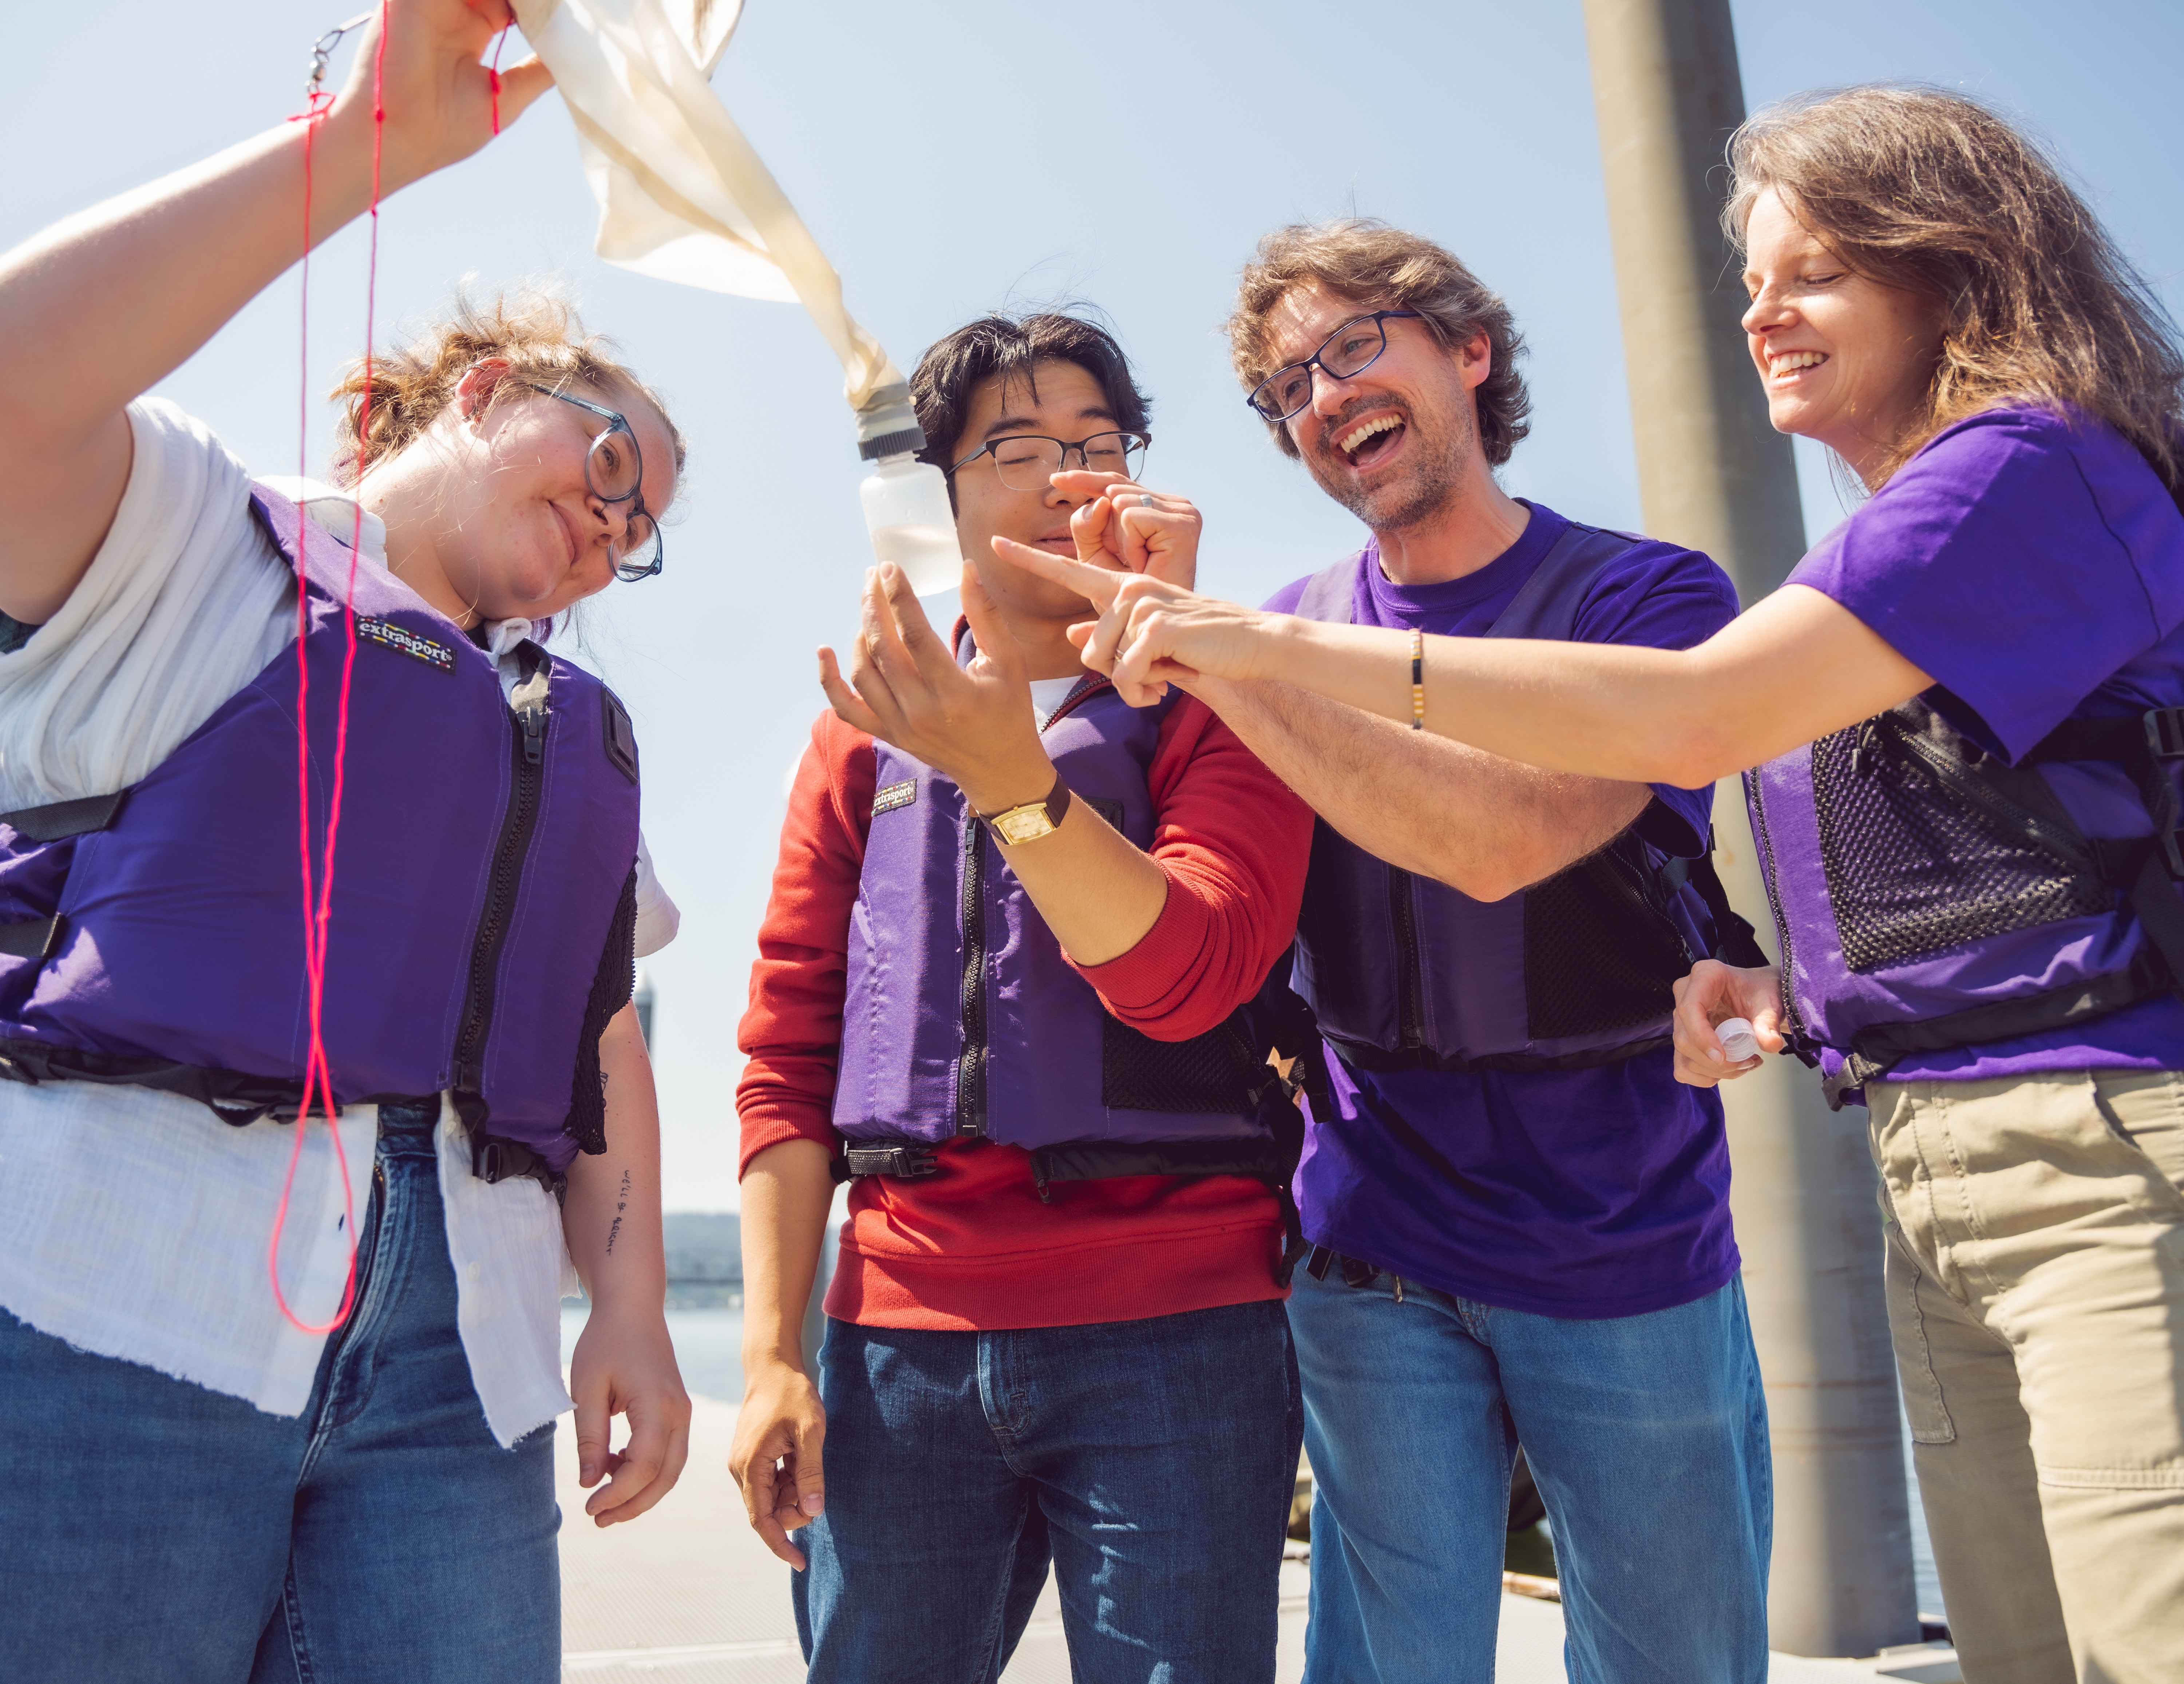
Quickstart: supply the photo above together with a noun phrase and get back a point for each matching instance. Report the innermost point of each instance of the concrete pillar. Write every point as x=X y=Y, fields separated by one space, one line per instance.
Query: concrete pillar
x=1715 y=475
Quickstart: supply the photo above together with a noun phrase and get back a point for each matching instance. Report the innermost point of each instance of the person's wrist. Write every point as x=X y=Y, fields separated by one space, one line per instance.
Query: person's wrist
x=768 y=1358
x=632 y=1301
x=1021 y=782
x=1275 y=642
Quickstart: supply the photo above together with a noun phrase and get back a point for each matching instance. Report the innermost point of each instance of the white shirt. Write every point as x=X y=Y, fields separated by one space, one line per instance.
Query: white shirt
x=137 y=1221
x=1049 y=694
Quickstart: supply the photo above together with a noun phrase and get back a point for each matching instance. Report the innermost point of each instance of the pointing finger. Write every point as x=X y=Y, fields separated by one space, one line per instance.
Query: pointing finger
x=1096 y=585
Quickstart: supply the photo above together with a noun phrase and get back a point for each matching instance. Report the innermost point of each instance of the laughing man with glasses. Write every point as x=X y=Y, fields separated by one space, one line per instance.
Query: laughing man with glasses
x=1519 y=1218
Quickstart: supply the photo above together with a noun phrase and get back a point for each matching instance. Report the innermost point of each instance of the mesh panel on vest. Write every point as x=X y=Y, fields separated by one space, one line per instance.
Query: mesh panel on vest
x=1914 y=866
x=1597 y=954
x=1204 y=1073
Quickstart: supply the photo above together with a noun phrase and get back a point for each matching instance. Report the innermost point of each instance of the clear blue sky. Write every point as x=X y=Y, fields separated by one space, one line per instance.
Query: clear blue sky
x=951 y=158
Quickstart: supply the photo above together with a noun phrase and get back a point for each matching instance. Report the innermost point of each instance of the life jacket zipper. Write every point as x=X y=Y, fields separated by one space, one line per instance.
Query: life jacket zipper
x=1792 y=1026
x=970 y=1063
x=527 y=721
x=1410 y=980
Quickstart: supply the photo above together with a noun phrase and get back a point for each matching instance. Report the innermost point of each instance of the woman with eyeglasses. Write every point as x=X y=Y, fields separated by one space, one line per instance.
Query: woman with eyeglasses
x=268 y=1421
x=1002 y=990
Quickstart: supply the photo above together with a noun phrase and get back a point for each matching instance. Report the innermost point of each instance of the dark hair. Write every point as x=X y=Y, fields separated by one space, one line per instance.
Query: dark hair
x=1933 y=193
x=1363 y=259
x=1007 y=346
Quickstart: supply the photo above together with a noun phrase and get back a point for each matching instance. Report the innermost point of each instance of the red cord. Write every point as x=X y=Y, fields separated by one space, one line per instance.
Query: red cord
x=317 y=1073
x=493 y=72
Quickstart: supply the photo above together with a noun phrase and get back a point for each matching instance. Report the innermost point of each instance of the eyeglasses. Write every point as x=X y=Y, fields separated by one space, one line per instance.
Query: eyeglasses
x=1351 y=349
x=1025 y=461
x=614 y=470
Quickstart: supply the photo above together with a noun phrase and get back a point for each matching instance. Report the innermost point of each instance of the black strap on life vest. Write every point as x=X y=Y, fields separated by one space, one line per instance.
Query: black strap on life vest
x=36 y=938
x=2144 y=870
x=1270 y=1159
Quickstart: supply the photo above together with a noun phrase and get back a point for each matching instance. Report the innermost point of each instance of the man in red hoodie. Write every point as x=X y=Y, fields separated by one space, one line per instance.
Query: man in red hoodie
x=999 y=984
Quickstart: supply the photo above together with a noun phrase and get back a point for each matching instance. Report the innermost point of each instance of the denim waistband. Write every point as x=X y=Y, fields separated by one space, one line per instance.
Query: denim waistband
x=409 y=1122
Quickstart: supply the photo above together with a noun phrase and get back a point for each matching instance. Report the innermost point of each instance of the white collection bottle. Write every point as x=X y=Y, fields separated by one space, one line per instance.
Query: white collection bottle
x=906 y=506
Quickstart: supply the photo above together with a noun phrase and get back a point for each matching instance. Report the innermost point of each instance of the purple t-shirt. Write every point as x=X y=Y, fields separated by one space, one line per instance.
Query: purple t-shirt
x=2033 y=566
x=1580 y=1193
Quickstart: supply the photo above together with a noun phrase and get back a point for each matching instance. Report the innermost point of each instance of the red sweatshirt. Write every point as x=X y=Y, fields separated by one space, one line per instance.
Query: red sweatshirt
x=973 y=1246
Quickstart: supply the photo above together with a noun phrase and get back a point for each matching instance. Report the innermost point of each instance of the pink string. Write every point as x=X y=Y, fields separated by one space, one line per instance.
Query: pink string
x=492 y=73
x=317 y=1072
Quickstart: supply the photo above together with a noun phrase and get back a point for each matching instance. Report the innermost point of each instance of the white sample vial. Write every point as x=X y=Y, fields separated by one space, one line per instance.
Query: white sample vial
x=1737 y=1039
x=906 y=511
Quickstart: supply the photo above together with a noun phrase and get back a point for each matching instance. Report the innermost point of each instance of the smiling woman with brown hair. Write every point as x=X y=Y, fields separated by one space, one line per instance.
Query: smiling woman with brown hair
x=1966 y=709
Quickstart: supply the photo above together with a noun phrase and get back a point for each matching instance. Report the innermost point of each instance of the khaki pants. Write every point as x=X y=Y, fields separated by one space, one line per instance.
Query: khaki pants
x=2036 y=1292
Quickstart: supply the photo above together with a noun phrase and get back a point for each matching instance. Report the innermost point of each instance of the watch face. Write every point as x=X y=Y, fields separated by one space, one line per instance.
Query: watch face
x=1023 y=824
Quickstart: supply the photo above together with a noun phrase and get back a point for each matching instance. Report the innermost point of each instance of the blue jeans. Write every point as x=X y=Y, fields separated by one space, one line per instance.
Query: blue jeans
x=151 y=1529
x=1647 y=1435
x=1152 y=1462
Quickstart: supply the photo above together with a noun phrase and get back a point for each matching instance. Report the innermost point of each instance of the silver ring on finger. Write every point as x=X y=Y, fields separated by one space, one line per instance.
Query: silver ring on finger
x=1145 y=500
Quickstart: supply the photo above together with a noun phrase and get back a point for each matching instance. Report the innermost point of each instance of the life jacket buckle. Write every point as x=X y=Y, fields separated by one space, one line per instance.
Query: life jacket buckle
x=2164 y=732
x=494 y=1160
x=905 y=1162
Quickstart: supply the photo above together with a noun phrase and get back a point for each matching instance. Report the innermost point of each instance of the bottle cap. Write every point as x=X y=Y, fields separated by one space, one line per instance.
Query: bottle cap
x=1737 y=1039
x=888 y=424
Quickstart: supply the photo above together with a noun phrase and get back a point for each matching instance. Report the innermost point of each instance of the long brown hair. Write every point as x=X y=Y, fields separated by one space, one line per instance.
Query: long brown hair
x=1934 y=193
x=537 y=333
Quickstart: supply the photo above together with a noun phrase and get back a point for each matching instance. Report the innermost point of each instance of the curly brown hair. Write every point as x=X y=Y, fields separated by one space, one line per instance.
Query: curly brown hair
x=537 y=333
x=1364 y=260
x=1929 y=191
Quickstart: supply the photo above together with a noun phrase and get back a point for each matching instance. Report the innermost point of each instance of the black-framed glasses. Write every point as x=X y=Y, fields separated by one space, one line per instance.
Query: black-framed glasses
x=614 y=470
x=1351 y=349
x=1025 y=461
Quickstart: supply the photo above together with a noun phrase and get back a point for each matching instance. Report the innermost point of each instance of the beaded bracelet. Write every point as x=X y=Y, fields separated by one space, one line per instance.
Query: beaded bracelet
x=1418 y=680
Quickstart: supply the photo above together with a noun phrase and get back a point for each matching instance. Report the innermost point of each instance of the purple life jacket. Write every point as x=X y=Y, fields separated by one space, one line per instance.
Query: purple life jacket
x=1404 y=972
x=962 y=1019
x=1928 y=897
x=484 y=899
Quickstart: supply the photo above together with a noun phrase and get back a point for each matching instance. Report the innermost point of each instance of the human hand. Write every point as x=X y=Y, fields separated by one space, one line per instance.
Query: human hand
x=625 y=1365
x=776 y=1458
x=1128 y=529
x=437 y=94
x=1712 y=994
x=975 y=724
x=1151 y=633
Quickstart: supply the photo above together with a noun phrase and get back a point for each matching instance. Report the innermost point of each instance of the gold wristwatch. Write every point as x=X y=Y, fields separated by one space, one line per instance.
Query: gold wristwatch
x=1034 y=819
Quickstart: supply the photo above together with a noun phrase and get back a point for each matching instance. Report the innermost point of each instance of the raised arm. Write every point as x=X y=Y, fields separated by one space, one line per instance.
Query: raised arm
x=1097 y=892
x=1791 y=669
x=1480 y=824
x=101 y=306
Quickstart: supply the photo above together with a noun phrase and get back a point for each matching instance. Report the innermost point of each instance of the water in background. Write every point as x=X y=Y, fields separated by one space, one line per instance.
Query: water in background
x=709 y=1346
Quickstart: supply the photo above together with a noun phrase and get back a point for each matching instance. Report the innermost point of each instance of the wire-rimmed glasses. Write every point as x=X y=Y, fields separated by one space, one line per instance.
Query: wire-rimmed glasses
x=1026 y=461
x=1351 y=349
x=614 y=470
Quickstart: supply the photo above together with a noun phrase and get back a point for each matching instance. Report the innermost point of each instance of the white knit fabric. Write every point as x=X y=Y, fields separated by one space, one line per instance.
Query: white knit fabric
x=135 y=1223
